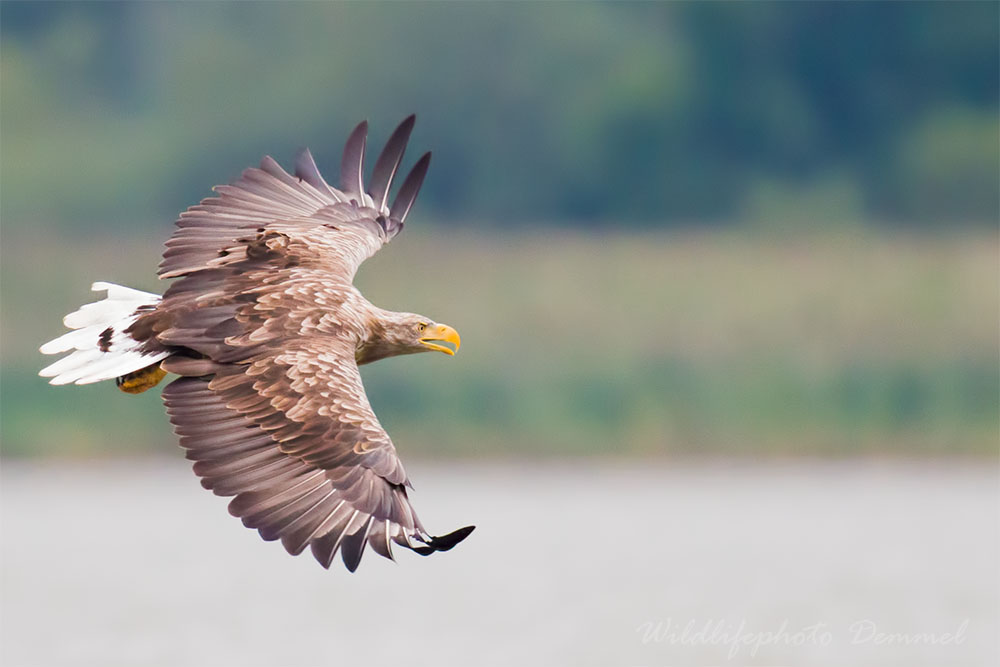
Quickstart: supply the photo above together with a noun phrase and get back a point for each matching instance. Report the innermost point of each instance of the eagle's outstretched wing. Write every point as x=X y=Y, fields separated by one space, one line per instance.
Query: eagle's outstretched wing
x=357 y=222
x=294 y=439
x=271 y=407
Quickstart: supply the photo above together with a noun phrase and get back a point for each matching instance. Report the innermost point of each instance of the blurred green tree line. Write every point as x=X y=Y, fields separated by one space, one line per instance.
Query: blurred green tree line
x=650 y=114
x=681 y=343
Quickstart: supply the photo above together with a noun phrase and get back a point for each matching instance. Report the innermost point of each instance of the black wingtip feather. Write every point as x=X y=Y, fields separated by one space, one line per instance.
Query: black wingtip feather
x=445 y=542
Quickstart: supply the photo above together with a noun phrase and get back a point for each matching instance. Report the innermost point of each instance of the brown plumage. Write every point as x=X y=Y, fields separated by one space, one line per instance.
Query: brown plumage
x=267 y=330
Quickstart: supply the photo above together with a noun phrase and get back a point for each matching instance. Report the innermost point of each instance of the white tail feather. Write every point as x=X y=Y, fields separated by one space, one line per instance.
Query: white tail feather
x=88 y=362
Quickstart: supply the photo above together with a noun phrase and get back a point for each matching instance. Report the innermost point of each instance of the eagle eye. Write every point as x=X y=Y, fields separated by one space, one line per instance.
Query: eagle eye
x=421 y=327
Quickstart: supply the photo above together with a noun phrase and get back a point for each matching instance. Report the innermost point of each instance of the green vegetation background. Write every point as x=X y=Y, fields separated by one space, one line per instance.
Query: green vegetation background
x=754 y=229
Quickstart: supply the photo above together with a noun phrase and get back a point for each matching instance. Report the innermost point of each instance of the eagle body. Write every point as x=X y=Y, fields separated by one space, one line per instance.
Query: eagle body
x=266 y=330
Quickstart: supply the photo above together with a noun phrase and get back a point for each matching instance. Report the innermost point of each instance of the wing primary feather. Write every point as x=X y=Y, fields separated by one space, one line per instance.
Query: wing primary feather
x=339 y=536
x=352 y=163
x=353 y=546
x=407 y=194
x=315 y=530
x=388 y=162
x=444 y=542
x=381 y=539
x=296 y=533
x=306 y=169
x=325 y=546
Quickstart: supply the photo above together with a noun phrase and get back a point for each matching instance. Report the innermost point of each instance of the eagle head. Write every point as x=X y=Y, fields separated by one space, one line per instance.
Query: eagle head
x=406 y=333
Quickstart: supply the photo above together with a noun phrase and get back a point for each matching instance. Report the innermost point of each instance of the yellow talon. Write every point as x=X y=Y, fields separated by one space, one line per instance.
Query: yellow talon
x=141 y=380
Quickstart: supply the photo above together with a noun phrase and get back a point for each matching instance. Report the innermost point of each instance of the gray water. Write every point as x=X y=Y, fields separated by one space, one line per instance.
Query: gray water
x=132 y=563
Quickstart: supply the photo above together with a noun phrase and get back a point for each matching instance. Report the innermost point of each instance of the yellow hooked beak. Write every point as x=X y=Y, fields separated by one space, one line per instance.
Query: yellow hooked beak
x=443 y=333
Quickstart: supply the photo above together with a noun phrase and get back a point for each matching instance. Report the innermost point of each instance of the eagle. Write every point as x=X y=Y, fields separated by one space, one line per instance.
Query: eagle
x=266 y=330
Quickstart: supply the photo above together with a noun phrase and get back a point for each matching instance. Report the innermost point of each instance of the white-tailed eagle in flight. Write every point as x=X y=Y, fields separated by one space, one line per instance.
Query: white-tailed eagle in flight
x=266 y=330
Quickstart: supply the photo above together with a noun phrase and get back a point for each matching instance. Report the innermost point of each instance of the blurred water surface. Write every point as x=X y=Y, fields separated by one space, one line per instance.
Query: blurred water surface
x=130 y=563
